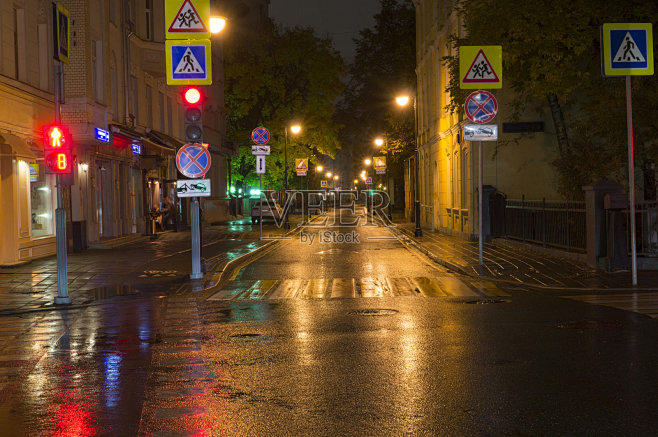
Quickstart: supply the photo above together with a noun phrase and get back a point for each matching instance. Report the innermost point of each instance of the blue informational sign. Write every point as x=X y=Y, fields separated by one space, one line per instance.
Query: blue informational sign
x=137 y=149
x=188 y=62
x=102 y=135
x=627 y=49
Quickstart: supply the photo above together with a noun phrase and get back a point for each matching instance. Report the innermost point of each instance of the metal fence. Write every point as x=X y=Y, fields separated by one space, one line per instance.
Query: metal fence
x=554 y=224
x=646 y=228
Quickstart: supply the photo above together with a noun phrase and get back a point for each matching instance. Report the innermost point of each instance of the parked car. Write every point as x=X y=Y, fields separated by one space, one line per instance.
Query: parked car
x=270 y=209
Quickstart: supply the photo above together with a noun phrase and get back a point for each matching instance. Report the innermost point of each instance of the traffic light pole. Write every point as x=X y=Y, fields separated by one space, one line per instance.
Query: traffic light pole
x=196 y=240
x=60 y=213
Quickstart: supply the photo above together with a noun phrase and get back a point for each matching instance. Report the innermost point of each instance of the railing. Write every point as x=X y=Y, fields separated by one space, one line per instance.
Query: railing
x=646 y=228
x=555 y=224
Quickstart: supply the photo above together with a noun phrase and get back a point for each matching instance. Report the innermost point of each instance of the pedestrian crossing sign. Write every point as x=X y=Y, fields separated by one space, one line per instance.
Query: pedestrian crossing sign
x=188 y=62
x=301 y=166
x=480 y=67
x=627 y=49
x=187 y=19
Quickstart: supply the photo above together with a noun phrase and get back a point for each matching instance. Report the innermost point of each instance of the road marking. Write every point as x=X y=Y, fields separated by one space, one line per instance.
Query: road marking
x=373 y=287
x=402 y=287
x=258 y=290
x=315 y=289
x=455 y=287
x=487 y=288
x=642 y=303
x=288 y=289
x=232 y=290
x=429 y=288
x=343 y=288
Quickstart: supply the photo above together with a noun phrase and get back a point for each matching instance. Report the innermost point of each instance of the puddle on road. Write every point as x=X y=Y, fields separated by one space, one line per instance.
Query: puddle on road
x=111 y=291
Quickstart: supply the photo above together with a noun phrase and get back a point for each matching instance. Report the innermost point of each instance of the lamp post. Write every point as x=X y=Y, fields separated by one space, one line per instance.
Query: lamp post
x=295 y=130
x=403 y=101
x=379 y=143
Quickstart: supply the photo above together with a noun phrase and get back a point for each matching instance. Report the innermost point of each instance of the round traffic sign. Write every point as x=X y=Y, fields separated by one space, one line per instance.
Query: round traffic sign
x=193 y=160
x=260 y=135
x=481 y=107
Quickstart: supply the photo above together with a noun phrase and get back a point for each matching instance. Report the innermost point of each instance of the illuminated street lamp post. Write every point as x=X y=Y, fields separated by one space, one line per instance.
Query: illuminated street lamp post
x=295 y=129
x=403 y=101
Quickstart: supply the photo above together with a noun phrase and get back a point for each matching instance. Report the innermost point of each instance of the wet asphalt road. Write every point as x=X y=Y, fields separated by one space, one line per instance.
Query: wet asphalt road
x=363 y=338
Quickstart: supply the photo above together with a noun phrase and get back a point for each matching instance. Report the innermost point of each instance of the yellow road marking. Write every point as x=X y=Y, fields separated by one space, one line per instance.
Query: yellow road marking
x=342 y=288
x=288 y=289
x=429 y=288
x=315 y=289
x=488 y=288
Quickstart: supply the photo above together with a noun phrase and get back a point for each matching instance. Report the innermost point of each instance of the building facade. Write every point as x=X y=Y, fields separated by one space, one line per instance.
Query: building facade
x=448 y=166
x=126 y=124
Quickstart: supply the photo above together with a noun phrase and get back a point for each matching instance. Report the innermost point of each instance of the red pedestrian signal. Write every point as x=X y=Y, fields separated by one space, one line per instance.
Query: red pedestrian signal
x=57 y=150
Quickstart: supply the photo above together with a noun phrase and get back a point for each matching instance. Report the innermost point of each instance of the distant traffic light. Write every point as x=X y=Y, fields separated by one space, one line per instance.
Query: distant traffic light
x=57 y=150
x=193 y=115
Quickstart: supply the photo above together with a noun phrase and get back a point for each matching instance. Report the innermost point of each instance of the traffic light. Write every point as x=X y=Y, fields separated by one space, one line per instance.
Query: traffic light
x=57 y=150
x=193 y=100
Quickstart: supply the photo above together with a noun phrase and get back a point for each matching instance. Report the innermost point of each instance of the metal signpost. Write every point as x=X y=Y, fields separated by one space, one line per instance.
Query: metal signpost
x=481 y=107
x=627 y=50
x=260 y=136
x=193 y=161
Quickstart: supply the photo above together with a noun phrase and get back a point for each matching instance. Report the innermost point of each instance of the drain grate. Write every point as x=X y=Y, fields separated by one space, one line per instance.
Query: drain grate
x=373 y=312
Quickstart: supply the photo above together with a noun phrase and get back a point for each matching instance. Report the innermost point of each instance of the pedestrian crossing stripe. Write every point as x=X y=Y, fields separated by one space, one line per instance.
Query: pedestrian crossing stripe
x=627 y=49
x=367 y=287
x=188 y=62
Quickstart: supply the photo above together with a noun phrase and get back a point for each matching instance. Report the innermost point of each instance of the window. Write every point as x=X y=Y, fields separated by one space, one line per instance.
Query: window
x=148 y=16
x=134 y=92
x=98 y=81
x=149 y=107
x=41 y=201
x=20 y=66
x=162 y=111
x=114 y=87
x=113 y=13
x=170 y=115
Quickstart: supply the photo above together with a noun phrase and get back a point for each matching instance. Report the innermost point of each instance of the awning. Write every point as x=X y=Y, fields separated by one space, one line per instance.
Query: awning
x=19 y=146
x=150 y=145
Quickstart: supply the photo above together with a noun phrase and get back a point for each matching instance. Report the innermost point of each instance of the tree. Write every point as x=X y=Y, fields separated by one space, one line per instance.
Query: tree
x=279 y=76
x=551 y=59
x=384 y=65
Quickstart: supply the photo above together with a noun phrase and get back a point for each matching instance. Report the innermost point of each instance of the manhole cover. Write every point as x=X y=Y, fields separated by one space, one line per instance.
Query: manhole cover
x=589 y=324
x=244 y=336
x=373 y=312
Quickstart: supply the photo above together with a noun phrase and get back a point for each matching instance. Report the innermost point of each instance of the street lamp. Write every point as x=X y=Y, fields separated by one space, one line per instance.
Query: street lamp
x=295 y=129
x=217 y=24
x=367 y=162
x=319 y=168
x=329 y=174
x=403 y=101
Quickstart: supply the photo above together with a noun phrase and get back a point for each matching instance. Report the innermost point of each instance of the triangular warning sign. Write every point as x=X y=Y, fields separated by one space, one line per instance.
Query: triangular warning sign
x=188 y=20
x=628 y=51
x=380 y=163
x=188 y=64
x=301 y=165
x=481 y=70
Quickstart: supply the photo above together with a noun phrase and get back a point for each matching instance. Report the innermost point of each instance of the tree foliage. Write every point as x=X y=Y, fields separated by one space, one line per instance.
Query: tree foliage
x=278 y=77
x=552 y=61
x=383 y=67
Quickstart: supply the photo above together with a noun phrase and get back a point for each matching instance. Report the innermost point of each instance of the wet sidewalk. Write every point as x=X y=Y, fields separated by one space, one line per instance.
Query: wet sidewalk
x=519 y=263
x=143 y=266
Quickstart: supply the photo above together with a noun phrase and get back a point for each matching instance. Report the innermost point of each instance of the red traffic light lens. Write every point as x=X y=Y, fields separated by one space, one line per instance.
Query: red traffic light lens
x=192 y=96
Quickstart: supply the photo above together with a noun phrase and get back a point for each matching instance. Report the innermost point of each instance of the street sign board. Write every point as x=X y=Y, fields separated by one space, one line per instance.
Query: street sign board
x=61 y=33
x=379 y=162
x=323 y=184
x=480 y=67
x=368 y=180
x=301 y=166
x=188 y=62
x=481 y=107
x=193 y=160
x=187 y=19
x=480 y=132
x=260 y=150
x=260 y=164
x=193 y=188
x=380 y=171
x=260 y=135
x=627 y=49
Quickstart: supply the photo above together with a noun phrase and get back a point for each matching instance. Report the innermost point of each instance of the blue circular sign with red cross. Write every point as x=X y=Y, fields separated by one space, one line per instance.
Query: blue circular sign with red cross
x=193 y=160
x=481 y=107
x=260 y=135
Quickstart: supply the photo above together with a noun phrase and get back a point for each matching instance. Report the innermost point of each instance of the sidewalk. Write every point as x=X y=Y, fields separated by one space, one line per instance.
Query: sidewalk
x=518 y=263
x=144 y=266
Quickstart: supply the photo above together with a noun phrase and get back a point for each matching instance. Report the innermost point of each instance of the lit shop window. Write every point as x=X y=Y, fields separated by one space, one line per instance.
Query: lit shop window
x=41 y=199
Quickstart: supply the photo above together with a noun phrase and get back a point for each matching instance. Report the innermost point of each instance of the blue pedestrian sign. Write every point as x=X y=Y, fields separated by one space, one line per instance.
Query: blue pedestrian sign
x=193 y=160
x=627 y=49
x=188 y=62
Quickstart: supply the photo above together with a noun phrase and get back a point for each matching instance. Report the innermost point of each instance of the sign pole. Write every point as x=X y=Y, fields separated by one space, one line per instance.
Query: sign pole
x=60 y=212
x=196 y=241
x=631 y=175
x=260 y=208
x=480 y=202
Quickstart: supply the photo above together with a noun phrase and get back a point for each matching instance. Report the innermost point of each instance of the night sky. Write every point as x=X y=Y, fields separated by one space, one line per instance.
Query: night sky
x=340 y=20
